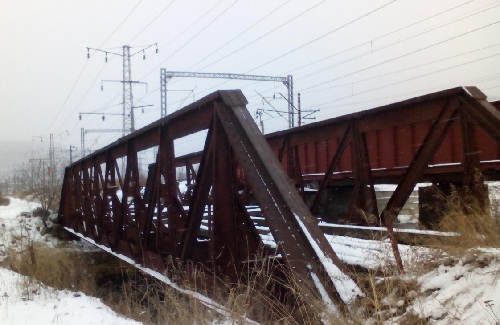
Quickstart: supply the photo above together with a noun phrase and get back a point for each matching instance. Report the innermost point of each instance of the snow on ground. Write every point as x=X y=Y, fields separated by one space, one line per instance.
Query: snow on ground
x=24 y=301
x=17 y=231
x=467 y=292
x=464 y=292
x=15 y=208
x=374 y=254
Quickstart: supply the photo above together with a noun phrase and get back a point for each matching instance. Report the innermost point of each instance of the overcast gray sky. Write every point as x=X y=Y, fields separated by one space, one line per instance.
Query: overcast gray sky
x=345 y=56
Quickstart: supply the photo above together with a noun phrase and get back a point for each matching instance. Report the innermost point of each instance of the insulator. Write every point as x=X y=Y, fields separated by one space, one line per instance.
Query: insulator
x=102 y=87
x=103 y=117
x=106 y=58
x=156 y=47
x=143 y=55
x=80 y=117
x=88 y=53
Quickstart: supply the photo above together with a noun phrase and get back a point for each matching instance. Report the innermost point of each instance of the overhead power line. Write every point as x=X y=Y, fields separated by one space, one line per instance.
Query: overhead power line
x=197 y=20
x=365 y=43
x=124 y=19
x=405 y=69
x=370 y=41
x=266 y=34
x=402 y=56
x=85 y=95
x=326 y=34
x=409 y=79
x=67 y=97
x=152 y=21
x=461 y=82
x=85 y=65
x=240 y=34
x=189 y=41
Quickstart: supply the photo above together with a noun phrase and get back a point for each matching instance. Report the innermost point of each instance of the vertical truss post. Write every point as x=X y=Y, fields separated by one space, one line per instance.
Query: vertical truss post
x=346 y=138
x=299 y=181
x=87 y=199
x=98 y=188
x=204 y=180
x=234 y=235
x=110 y=200
x=151 y=198
x=122 y=223
x=471 y=160
x=225 y=236
x=169 y=191
x=79 y=197
x=363 y=201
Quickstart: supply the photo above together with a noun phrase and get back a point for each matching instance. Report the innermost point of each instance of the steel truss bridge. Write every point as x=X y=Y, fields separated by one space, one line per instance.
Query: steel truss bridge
x=445 y=137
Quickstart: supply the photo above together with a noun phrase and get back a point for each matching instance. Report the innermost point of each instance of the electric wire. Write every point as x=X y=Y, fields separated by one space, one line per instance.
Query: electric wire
x=381 y=37
x=325 y=35
x=387 y=34
x=152 y=21
x=406 y=94
x=130 y=13
x=192 y=24
x=240 y=34
x=409 y=79
x=365 y=43
x=193 y=37
x=86 y=93
x=266 y=34
x=81 y=71
x=67 y=97
x=402 y=70
x=401 y=56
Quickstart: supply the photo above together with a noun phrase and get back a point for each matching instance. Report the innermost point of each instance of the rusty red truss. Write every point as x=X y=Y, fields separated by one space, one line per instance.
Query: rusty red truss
x=150 y=224
x=445 y=137
x=378 y=145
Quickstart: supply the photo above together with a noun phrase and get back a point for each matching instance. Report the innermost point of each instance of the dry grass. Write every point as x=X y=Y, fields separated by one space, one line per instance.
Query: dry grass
x=470 y=219
x=5 y=201
x=265 y=292
x=138 y=296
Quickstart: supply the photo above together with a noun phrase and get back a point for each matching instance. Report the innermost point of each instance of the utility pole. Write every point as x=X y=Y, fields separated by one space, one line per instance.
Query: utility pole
x=71 y=153
x=128 y=98
x=259 y=114
x=52 y=160
x=298 y=108
x=82 y=139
